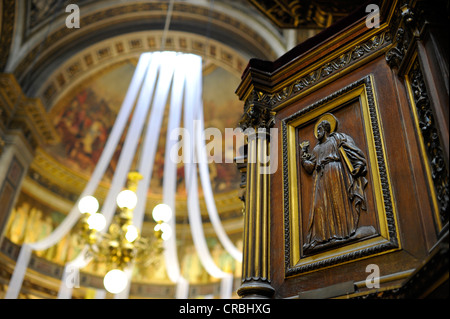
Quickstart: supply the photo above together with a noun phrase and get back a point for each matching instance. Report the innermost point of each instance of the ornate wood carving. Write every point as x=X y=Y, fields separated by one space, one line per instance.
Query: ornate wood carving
x=257 y=114
x=406 y=30
x=402 y=58
x=345 y=60
x=302 y=90
x=338 y=168
x=394 y=56
x=431 y=137
x=392 y=242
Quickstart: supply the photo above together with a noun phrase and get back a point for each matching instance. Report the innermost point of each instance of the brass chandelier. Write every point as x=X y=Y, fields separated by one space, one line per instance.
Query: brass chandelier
x=121 y=246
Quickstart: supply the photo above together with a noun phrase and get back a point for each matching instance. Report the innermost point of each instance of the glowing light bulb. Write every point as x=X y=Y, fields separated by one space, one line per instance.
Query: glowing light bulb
x=166 y=231
x=127 y=198
x=162 y=212
x=132 y=233
x=88 y=204
x=115 y=281
x=96 y=221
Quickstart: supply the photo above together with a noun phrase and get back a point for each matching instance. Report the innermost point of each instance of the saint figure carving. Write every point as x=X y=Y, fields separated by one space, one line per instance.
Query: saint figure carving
x=338 y=169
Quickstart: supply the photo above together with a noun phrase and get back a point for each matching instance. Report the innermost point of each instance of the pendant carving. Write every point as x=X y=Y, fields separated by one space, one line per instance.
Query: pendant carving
x=432 y=139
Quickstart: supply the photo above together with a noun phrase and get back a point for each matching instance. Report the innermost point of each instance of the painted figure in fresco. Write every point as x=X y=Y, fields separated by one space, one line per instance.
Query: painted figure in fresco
x=338 y=168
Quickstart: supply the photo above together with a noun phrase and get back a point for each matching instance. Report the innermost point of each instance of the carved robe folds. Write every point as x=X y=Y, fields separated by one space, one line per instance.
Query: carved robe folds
x=338 y=167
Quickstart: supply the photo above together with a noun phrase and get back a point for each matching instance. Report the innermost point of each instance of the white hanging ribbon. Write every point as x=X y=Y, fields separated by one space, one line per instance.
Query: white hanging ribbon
x=150 y=147
x=125 y=160
x=207 y=189
x=16 y=280
x=131 y=141
x=170 y=175
x=182 y=290
x=152 y=135
x=226 y=287
x=193 y=97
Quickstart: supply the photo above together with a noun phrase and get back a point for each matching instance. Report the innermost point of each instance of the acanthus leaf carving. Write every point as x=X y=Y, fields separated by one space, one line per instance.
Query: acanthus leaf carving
x=257 y=114
x=327 y=69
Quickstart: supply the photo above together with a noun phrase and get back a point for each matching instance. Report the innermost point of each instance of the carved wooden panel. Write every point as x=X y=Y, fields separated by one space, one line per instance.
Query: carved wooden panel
x=349 y=215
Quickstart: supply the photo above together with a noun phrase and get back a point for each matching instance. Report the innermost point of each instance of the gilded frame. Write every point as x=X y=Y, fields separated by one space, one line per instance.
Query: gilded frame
x=388 y=239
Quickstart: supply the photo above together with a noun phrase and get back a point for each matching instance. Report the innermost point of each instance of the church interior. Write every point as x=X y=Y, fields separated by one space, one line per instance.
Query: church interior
x=354 y=94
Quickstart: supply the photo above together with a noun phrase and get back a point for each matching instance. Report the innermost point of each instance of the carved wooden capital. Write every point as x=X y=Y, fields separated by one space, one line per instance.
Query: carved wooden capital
x=256 y=114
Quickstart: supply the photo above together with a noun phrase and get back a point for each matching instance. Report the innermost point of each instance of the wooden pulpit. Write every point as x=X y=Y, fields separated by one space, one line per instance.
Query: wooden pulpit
x=346 y=176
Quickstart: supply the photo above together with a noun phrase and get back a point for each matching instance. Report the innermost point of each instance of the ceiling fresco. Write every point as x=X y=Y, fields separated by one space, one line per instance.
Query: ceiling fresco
x=84 y=120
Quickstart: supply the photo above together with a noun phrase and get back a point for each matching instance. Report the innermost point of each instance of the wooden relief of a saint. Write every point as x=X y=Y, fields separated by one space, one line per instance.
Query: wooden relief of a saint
x=338 y=168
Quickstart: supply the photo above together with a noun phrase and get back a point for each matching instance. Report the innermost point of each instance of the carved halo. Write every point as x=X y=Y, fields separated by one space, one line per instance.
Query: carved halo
x=331 y=119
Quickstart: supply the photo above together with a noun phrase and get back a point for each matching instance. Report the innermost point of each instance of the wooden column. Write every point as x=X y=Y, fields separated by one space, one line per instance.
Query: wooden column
x=257 y=121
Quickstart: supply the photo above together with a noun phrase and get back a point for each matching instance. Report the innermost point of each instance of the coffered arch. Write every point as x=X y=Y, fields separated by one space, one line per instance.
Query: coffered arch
x=39 y=48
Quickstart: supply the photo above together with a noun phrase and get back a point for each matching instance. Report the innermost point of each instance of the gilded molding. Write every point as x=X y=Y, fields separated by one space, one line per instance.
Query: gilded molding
x=350 y=57
x=417 y=285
